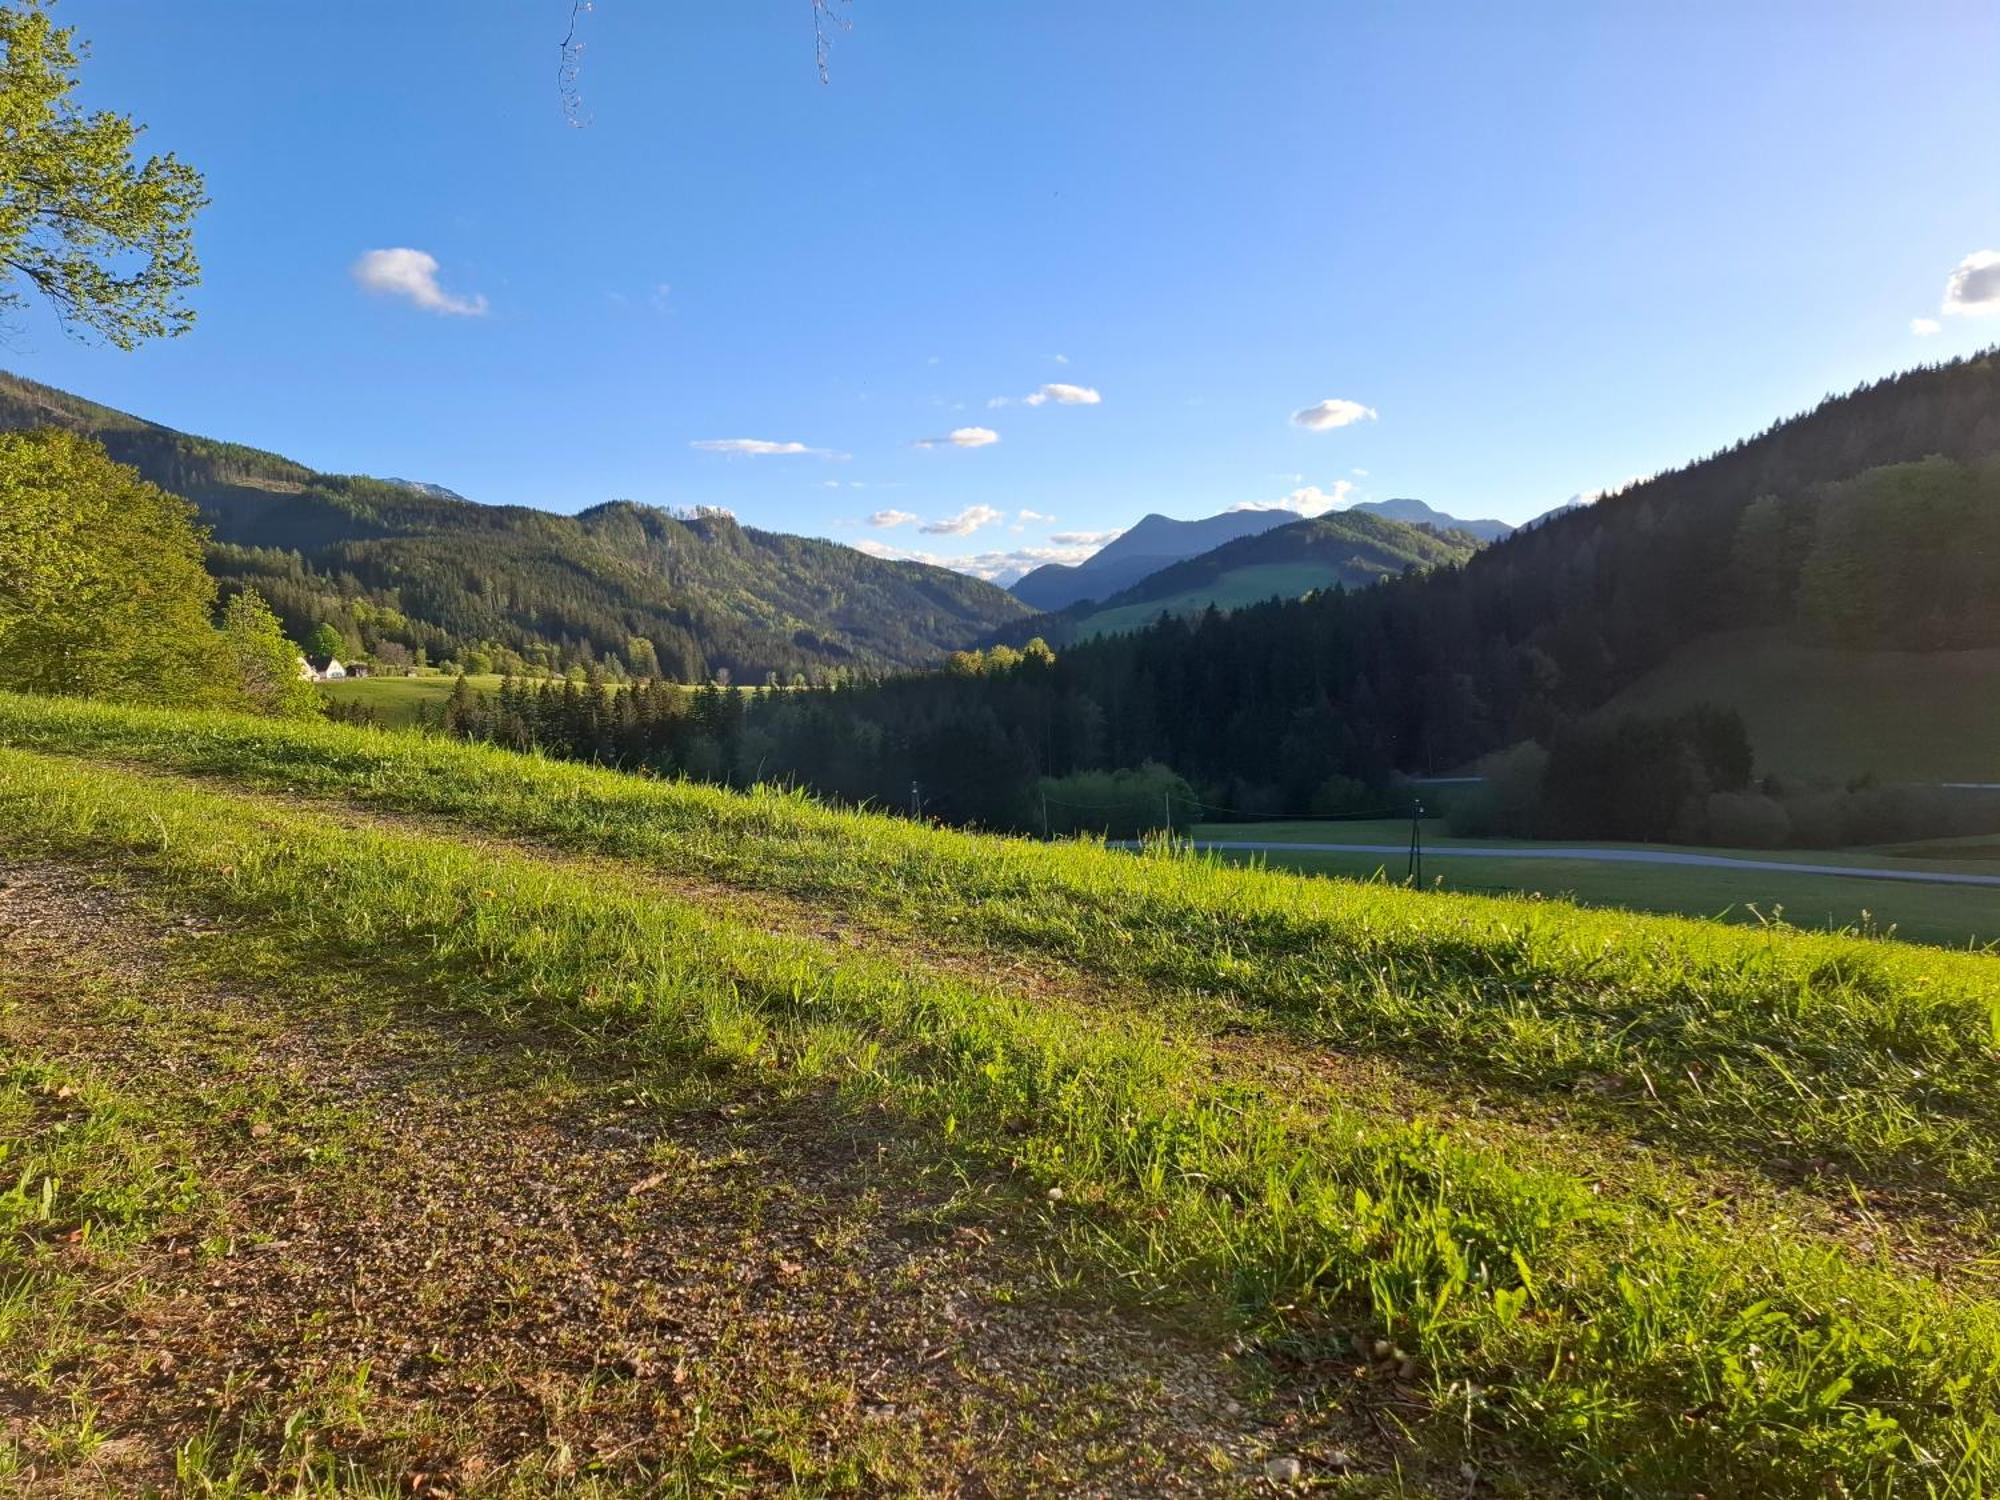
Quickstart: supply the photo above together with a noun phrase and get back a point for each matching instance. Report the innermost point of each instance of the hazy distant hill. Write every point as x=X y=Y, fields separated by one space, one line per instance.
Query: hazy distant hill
x=1158 y=542
x=1284 y=562
x=435 y=491
x=1154 y=543
x=398 y=565
x=1417 y=513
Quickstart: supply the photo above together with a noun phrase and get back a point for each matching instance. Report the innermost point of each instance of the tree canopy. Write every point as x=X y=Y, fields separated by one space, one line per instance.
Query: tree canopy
x=265 y=664
x=102 y=589
x=106 y=238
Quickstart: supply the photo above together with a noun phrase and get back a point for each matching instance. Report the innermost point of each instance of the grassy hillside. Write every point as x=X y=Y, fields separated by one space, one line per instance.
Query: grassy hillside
x=1824 y=712
x=1385 y=1183
x=1227 y=590
x=1347 y=548
x=386 y=563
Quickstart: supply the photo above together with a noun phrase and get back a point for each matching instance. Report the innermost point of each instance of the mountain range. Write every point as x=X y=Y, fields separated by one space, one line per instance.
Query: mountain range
x=1347 y=548
x=1159 y=542
x=1417 y=513
x=1154 y=543
x=1736 y=602
x=399 y=567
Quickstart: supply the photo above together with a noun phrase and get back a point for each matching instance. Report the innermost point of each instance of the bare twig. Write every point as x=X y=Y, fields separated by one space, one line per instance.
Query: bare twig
x=825 y=15
x=569 y=68
x=828 y=16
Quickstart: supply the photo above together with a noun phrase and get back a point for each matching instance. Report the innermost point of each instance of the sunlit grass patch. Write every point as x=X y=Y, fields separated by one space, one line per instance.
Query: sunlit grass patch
x=1627 y=1346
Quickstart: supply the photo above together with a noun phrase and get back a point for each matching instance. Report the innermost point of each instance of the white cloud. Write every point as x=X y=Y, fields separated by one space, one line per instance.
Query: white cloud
x=995 y=567
x=1091 y=539
x=1031 y=515
x=1923 y=328
x=961 y=437
x=659 y=297
x=1057 y=392
x=1311 y=500
x=1065 y=395
x=1974 y=288
x=1061 y=359
x=413 y=274
x=1331 y=413
x=964 y=523
x=883 y=518
x=756 y=447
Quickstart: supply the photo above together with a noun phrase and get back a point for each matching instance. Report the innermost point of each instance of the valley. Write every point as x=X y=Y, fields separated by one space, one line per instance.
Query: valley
x=1018 y=808
x=407 y=574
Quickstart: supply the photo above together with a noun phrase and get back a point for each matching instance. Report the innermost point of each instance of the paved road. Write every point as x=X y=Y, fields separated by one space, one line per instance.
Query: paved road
x=1616 y=856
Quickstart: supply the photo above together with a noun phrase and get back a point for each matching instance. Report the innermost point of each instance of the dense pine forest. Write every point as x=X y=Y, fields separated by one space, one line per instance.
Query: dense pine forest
x=404 y=575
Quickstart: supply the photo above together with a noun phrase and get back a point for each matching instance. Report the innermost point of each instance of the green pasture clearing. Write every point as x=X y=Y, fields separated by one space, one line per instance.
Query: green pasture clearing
x=1819 y=713
x=1231 y=590
x=399 y=700
x=1947 y=915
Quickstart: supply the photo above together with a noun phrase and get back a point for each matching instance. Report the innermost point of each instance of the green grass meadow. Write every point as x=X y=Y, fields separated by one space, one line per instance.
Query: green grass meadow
x=397 y=701
x=1232 y=590
x=1636 y=1217
x=1946 y=915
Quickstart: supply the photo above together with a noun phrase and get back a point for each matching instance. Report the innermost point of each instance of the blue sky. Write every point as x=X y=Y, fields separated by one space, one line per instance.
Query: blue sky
x=1528 y=254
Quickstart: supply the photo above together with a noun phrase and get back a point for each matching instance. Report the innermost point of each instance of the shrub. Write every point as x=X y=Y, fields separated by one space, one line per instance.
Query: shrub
x=1124 y=804
x=1747 y=820
x=1509 y=800
x=1339 y=794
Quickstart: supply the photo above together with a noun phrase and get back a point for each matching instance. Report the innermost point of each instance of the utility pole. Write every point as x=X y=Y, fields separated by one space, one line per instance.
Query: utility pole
x=1416 y=871
x=916 y=801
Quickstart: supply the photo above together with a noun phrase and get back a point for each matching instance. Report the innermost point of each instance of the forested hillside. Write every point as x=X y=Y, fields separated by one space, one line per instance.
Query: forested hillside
x=1418 y=513
x=398 y=570
x=1345 y=548
x=1874 y=517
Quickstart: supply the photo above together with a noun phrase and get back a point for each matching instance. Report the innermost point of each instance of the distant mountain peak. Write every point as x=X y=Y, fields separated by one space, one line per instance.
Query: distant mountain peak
x=1153 y=542
x=435 y=491
x=1422 y=513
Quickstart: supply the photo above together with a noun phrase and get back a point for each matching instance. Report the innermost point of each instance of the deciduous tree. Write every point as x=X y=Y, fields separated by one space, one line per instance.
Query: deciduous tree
x=106 y=238
x=265 y=663
x=102 y=592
